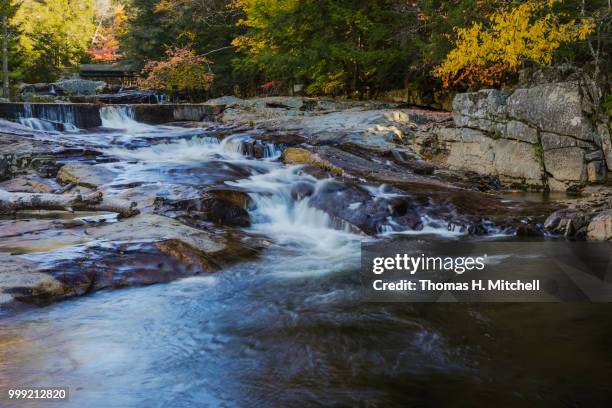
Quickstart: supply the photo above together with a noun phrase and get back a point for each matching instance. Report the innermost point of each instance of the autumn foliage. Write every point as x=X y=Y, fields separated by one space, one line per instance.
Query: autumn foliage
x=182 y=69
x=105 y=44
x=531 y=31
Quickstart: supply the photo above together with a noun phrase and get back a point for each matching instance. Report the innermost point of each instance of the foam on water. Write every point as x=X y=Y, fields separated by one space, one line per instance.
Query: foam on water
x=430 y=227
x=320 y=246
x=52 y=118
x=122 y=117
x=196 y=149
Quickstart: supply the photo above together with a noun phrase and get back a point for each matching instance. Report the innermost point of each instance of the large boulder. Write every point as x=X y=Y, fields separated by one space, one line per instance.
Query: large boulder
x=566 y=166
x=483 y=110
x=600 y=228
x=78 y=86
x=21 y=278
x=559 y=108
x=511 y=161
x=549 y=134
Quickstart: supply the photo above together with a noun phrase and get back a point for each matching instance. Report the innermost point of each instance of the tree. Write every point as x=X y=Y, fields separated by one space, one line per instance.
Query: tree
x=11 y=52
x=105 y=42
x=528 y=32
x=55 y=35
x=334 y=46
x=181 y=70
x=207 y=26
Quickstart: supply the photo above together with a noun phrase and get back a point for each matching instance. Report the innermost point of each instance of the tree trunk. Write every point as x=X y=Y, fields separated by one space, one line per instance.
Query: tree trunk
x=12 y=202
x=5 y=78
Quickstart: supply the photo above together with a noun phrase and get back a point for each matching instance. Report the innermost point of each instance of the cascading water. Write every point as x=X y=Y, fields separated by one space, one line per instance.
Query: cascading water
x=121 y=117
x=49 y=118
x=280 y=213
x=277 y=212
x=288 y=328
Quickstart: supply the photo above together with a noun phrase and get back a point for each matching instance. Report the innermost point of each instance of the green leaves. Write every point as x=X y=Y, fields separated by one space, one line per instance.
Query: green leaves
x=54 y=34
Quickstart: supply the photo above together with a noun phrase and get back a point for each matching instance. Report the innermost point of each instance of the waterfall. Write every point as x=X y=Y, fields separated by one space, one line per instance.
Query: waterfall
x=121 y=117
x=246 y=146
x=294 y=222
x=49 y=118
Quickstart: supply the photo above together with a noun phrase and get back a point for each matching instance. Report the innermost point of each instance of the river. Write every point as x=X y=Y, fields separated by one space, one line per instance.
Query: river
x=289 y=329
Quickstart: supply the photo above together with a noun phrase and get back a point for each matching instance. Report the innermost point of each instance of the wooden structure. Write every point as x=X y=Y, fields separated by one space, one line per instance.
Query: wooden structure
x=110 y=73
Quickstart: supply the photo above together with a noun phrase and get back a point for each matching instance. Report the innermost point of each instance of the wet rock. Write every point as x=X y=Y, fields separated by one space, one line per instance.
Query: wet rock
x=225 y=207
x=30 y=183
x=86 y=175
x=302 y=190
x=22 y=279
x=155 y=227
x=361 y=211
x=296 y=155
x=142 y=250
x=19 y=154
x=220 y=206
x=281 y=139
x=600 y=228
x=570 y=223
x=258 y=151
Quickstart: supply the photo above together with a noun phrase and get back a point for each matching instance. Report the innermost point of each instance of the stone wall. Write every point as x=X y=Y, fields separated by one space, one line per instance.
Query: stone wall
x=546 y=137
x=81 y=115
x=164 y=113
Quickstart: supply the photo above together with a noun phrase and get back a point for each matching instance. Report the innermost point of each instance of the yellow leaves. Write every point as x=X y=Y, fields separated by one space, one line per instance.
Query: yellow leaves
x=527 y=32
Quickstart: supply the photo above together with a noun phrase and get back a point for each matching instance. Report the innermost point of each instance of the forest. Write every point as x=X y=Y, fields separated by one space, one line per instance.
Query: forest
x=355 y=49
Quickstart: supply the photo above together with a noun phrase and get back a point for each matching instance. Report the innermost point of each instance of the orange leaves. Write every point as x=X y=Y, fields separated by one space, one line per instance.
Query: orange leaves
x=182 y=69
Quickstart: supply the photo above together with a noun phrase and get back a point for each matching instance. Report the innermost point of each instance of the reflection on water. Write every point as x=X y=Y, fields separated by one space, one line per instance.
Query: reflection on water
x=290 y=329
x=252 y=336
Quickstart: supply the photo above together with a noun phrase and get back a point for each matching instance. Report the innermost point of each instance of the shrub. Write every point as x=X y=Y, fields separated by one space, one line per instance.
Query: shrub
x=181 y=70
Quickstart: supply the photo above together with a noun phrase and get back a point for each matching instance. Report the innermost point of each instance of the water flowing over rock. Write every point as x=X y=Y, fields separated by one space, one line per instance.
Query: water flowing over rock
x=53 y=116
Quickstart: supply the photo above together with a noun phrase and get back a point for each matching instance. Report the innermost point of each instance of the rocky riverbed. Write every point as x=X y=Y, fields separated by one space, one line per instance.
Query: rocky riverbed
x=152 y=203
x=235 y=241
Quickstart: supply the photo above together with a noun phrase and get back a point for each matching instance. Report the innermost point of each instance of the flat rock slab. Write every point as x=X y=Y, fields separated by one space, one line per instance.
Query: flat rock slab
x=86 y=175
x=21 y=278
x=151 y=227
